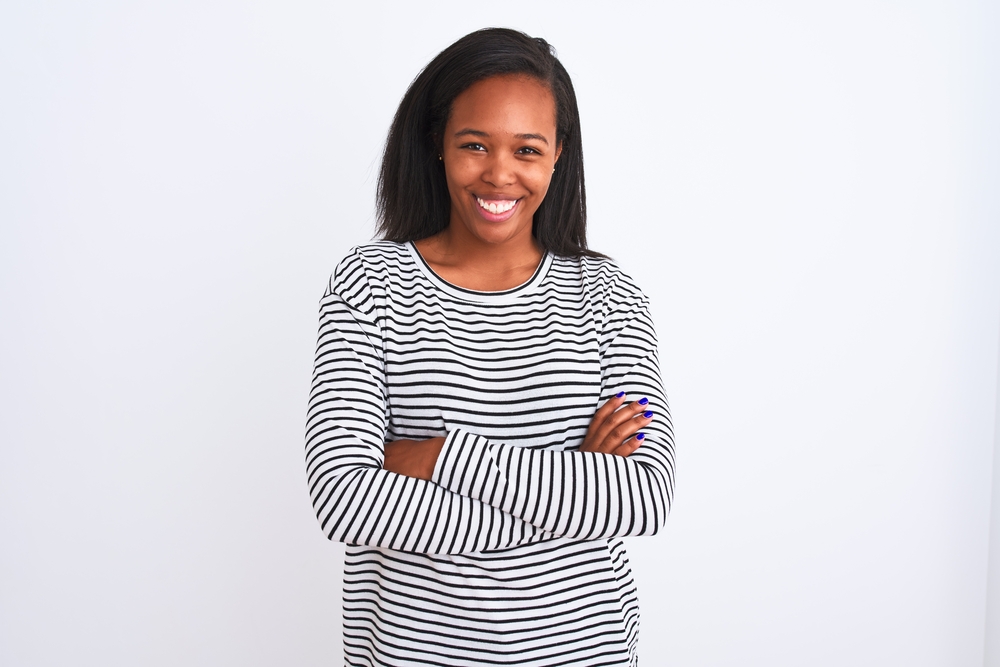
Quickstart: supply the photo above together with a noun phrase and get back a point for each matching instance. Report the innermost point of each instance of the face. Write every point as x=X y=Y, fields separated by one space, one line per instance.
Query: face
x=499 y=149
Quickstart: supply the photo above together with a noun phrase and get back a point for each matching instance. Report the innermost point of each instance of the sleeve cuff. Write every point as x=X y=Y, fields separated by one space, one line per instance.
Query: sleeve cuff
x=466 y=466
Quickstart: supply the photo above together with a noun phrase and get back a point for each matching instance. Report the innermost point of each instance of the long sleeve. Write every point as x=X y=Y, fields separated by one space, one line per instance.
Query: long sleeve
x=574 y=494
x=355 y=499
x=465 y=569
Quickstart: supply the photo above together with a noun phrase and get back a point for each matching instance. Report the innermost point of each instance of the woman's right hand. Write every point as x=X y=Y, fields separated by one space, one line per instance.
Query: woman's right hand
x=615 y=426
x=413 y=458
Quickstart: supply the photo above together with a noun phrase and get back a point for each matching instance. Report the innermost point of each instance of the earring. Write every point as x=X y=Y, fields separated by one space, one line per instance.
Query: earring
x=440 y=158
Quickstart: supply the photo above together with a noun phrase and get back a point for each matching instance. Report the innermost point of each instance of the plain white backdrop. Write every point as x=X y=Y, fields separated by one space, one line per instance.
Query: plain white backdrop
x=806 y=191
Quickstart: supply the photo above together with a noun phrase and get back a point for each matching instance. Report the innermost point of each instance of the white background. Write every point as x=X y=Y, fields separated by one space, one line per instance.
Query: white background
x=806 y=191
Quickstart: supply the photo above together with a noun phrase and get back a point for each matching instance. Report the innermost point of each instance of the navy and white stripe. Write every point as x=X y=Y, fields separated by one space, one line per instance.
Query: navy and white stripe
x=510 y=555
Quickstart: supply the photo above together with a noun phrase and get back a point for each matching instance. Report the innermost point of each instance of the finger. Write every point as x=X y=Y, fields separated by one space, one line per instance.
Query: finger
x=630 y=445
x=609 y=408
x=619 y=434
x=603 y=412
x=618 y=418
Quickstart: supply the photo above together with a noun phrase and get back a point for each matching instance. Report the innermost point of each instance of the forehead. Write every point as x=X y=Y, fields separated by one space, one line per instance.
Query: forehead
x=506 y=101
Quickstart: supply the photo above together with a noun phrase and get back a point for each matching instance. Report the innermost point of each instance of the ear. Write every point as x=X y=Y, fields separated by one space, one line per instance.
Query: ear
x=558 y=152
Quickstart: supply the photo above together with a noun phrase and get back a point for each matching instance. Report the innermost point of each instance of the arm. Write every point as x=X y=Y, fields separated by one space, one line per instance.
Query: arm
x=356 y=501
x=578 y=494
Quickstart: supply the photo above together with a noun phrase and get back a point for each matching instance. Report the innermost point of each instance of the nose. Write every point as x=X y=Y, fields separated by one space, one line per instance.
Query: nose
x=500 y=170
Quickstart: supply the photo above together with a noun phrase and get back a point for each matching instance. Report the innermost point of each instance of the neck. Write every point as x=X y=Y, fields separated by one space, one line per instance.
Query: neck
x=467 y=261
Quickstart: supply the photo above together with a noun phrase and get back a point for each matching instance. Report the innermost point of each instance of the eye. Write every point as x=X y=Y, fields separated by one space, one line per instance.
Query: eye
x=528 y=150
x=473 y=147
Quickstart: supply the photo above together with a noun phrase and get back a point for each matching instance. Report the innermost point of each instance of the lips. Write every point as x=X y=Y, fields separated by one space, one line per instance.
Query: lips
x=496 y=210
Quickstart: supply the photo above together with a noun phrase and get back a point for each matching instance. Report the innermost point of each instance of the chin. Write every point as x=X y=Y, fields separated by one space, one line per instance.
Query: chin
x=498 y=234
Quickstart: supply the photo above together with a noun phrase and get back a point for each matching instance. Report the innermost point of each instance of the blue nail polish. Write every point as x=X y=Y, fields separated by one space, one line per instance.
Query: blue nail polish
x=647 y=414
x=643 y=400
x=620 y=394
x=640 y=436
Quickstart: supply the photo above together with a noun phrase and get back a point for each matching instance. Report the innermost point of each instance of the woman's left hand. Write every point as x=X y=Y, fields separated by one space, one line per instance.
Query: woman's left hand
x=413 y=458
x=615 y=426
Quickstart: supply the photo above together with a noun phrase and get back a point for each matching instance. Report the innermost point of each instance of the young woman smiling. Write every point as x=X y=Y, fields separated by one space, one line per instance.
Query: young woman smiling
x=487 y=417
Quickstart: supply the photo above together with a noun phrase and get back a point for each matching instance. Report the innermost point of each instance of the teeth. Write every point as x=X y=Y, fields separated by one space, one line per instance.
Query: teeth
x=496 y=207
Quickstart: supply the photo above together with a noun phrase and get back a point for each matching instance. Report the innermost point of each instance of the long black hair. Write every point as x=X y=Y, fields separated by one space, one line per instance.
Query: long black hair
x=412 y=199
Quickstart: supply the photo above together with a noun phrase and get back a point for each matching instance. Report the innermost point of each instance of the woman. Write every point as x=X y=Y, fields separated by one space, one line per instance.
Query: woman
x=452 y=439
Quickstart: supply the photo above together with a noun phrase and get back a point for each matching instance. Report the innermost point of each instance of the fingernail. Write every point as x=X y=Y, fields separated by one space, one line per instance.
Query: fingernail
x=620 y=394
x=648 y=414
x=643 y=400
x=640 y=436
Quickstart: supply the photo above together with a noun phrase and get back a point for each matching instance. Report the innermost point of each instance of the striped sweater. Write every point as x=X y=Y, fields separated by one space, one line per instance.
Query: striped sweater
x=511 y=553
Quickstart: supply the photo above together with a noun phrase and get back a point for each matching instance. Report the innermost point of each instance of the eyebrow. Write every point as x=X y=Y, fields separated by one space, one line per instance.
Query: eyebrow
x=480 y=133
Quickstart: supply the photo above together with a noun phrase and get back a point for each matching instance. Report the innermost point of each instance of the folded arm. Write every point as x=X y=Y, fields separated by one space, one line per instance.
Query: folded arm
x=604 y=490
x=576 y=494
x=474 y=494
x=355 y=499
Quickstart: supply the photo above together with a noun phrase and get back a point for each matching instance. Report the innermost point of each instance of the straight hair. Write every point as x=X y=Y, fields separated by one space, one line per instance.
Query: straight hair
x=412 y=200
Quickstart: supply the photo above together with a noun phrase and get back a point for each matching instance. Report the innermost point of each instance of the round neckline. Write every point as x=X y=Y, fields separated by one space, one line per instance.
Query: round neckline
x=467 y=294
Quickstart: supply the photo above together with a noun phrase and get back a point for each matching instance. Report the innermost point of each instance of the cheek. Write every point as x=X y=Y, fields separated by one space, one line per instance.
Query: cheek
x=456 y=183
x=540 y=180
x=460 y=174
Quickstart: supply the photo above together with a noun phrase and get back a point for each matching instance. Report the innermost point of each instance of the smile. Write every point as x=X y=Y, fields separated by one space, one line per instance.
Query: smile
x=495 y=207
x=496 y=210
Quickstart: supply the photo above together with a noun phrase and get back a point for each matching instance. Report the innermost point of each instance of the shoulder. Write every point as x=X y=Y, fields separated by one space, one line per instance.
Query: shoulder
x=367 y=263
x=373 y=255
x=618 y=304
x=603 y=281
